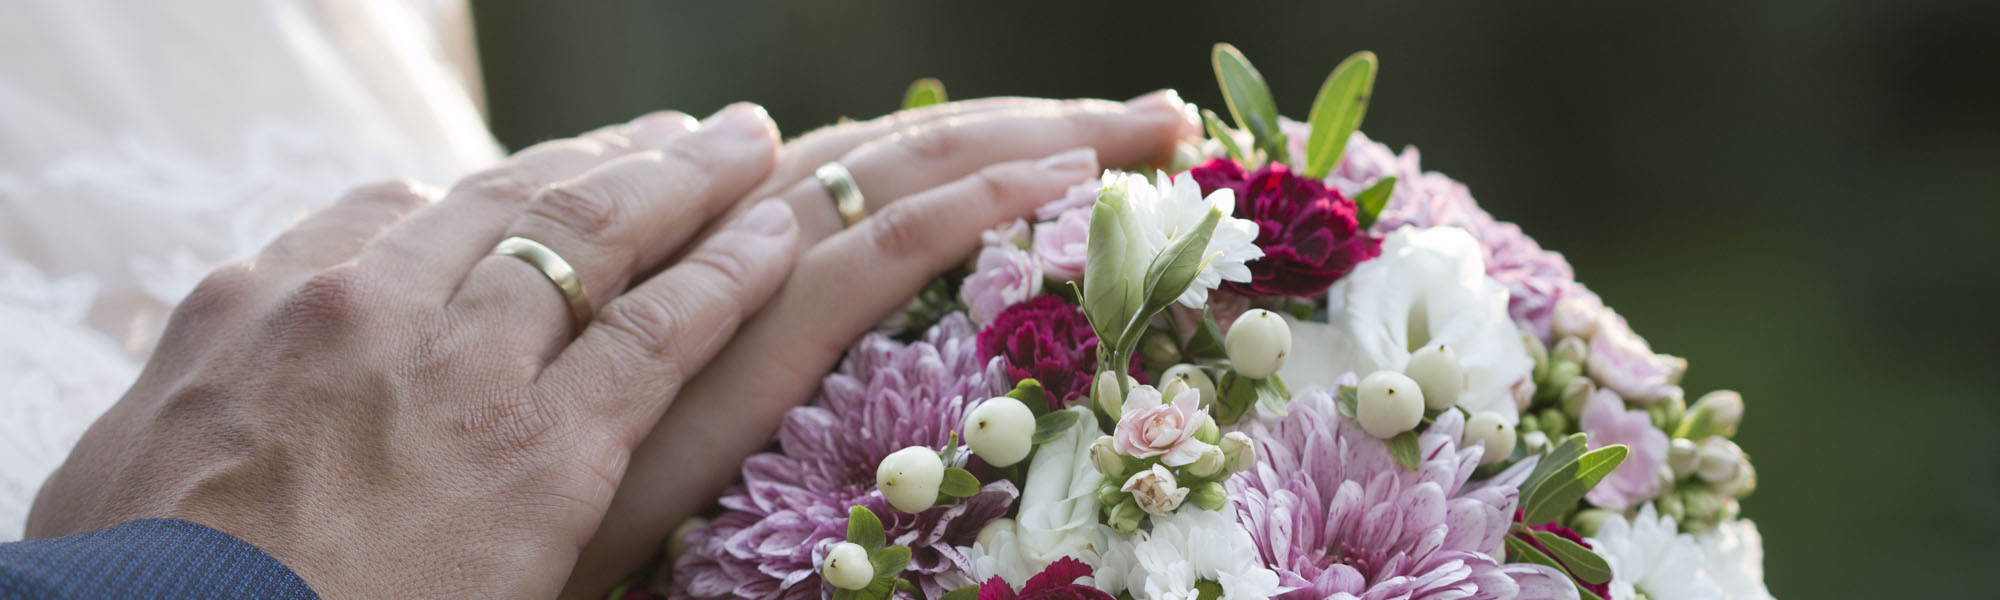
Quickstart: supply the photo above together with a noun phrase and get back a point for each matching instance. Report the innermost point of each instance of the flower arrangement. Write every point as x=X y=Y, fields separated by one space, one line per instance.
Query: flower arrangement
x=1292 y=364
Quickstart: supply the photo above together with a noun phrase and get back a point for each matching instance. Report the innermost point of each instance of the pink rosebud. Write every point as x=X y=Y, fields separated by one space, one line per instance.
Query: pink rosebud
x=1003 y=277
x=1148 y=427
x=1060 y=244
x=1623 y=362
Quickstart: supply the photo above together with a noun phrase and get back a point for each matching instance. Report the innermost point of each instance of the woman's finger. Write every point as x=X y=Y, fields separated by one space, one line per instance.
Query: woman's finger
x=335 y=233
x=777 y=360
x=1139 y=132
x=619 y=219
x=646 y=343
x=829 y=143
x=447 y=237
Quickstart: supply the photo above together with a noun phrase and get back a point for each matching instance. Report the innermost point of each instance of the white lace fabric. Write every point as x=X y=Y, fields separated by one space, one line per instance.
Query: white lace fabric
x=144 y=143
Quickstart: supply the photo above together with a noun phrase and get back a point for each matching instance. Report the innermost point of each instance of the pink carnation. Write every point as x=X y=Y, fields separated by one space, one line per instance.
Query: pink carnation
x=1149 y=427
x=1060 y=244
x=1005 y=276
x=1606 y=422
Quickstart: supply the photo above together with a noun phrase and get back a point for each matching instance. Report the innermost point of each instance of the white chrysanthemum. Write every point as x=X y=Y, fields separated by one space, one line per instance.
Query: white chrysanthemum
x=1429 y=286
x=1167 y=208
x=1650 y=555
x=1733 y=553
x=1183 y=550
x=1058 y=514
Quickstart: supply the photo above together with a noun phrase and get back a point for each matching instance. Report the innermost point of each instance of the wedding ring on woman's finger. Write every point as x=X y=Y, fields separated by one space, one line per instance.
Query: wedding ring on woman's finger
x=846 y=195
x=558 y=271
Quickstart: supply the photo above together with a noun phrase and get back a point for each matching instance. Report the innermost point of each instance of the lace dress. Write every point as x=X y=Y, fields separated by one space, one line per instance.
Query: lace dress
x=144 y=143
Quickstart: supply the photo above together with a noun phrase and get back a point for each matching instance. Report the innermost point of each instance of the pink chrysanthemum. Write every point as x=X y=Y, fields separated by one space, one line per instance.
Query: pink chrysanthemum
x=792 y=506
x=1337 y=517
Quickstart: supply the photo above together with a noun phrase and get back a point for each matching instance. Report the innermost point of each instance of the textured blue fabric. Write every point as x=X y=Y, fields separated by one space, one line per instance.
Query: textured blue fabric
x=152 y=558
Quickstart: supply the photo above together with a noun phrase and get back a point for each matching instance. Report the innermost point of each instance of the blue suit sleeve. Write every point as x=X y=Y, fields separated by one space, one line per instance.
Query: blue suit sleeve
x=151 y=558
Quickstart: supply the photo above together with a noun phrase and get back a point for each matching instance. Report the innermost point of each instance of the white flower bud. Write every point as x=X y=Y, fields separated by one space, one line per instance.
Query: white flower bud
x=1156 y=490
x=1258 y=343
x=1001 y=431
x=909 y=478
x=1209 y=463
x=989 y=534
x=1716 y=413
x=1438 y=373
x=1571 y=349
x=1681 y=457
x=1192 y=377
x=1209 y=496
x=1389 y=403
x=1106 y=457
x=847 y=567
x=1536 y=441
x=1487 y=428
x=1241 y=455
x=1575 y=394
x=1717 y=459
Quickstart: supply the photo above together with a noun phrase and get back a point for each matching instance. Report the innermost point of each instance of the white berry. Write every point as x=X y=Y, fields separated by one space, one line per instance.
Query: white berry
x=1486 y=428
x=1389 y=403
x=1437 y=371
x=1193 y=378
x=847 y=567
x=1001 y=431
x=909 y=478
x=1258 y=343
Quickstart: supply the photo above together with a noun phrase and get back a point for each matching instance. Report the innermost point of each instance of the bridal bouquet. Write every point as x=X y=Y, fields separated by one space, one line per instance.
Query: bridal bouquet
x=1292 y=365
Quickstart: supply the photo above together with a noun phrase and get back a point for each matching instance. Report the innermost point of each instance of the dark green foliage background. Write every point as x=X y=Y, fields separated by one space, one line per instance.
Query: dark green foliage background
x=1798 y=195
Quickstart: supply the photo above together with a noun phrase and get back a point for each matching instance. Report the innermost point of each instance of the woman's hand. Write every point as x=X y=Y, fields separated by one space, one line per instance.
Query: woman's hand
x=393 y=411
x=934 y=178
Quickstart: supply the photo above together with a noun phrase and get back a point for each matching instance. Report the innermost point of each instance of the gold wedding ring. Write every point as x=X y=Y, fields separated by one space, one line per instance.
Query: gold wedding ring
x=558 y=271
x=846 y=195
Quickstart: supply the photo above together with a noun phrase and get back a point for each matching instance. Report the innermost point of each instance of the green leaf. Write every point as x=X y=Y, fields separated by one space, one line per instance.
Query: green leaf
x=1585 y=565
x=958 y=483
x=1109 y=297
x=881 y=589
x=890 y=561
x=1219 y=132
x=1272 y=394
x=1249 y=100
x=1235 y=395
x=1556 y=458
x=840 y=594
x=1337 y=112
x=865 y=529
x=1031 y=393
x=1051 y=426
x=1519 y=550
x=924 y=92
x=1176 y=266
x=1368 y=206
x=970 y=592
x=1404 y=448
x=1207 y=340
x=1567 y=485
x=1347 y=400
x=950 y=450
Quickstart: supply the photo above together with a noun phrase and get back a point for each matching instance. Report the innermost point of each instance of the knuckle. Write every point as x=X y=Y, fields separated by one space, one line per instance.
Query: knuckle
x=729 y=269
x=648 y=325
x=932 y=143
x=586 y=210
x=896 y=231
x=692 y=157
x=222 y=292
x=993 y=183
x=398 y=194
x=514 y=426
x=1085 y=124
x=501 y=184
x=321 y=308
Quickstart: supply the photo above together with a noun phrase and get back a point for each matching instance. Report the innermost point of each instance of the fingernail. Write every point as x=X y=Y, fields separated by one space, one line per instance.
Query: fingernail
x=1079 y=159
x=654 y=129
x=770 y=217
x=1166 y=100
x=740 y=119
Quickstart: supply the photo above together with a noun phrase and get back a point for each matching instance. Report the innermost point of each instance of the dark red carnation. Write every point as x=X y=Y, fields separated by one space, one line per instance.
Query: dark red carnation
x=1309 y=232
x=1048 y=339
x=1057 y=582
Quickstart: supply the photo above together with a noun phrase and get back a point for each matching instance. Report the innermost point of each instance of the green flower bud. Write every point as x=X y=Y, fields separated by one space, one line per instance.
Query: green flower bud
x=1534 y=442
x=1716 y=413
x=1107 y=396
x=1207 y=432
x=1537 y=351
x=1209 y=463
x=1670 y=505
x=1559 y=376
x=1745 y=481
x=1209 y=496
x=1703 y=506
x=1575 y=394
x=1571 y=349
x=1126 y=515
x=1109 y=495
x=1554 y=422
x=1716 y=460
x=1587 y=521
x=1238 y=451
x=1105 y=456
x=1668 y=410
x=1681 y=457
x=1159 y=350
x=1531 y=423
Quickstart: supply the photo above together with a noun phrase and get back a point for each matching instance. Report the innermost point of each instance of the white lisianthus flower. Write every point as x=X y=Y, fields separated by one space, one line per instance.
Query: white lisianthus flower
x=1183 y=550
x=1058 y=515
x=1428 y=287
x=1167 y=208
x=1649 y=554
x=1733 y=553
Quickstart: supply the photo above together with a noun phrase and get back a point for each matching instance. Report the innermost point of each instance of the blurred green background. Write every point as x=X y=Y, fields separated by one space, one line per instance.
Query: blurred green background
x=1799 y=196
